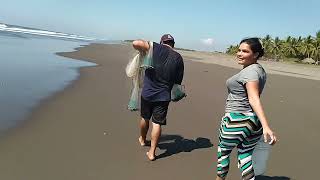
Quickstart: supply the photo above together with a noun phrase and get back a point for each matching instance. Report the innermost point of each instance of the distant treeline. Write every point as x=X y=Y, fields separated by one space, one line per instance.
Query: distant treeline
x=183 y=49
x=299 y=48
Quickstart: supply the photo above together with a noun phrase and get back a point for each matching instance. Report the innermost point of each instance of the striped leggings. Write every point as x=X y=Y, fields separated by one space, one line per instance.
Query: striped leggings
x=241 y=130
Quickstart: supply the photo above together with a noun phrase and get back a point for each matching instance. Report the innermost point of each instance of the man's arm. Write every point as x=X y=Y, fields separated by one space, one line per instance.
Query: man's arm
x=180 y=71
x=141 y=45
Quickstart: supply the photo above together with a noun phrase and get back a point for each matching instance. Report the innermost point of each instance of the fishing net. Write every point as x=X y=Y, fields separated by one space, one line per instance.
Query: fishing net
x=177 y=92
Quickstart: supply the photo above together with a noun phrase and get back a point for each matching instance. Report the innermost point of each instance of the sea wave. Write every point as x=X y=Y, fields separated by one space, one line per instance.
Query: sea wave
x=39 y=32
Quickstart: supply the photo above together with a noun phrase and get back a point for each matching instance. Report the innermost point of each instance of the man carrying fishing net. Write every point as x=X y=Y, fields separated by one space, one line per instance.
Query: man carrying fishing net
x=166 y=72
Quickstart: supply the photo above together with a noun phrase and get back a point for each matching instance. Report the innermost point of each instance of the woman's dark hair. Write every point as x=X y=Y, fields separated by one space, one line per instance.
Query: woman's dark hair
x=170 y=43
x=255 y=45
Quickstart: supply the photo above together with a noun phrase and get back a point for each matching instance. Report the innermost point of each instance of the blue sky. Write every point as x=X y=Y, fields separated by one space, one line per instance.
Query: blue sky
x=203 y=25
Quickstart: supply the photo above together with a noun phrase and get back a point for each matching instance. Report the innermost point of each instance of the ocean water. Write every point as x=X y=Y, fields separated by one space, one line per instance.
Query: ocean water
x=30 y=72
x=32 y=32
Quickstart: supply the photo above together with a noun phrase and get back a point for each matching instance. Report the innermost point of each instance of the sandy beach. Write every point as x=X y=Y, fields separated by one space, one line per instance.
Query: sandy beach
x=85 y=132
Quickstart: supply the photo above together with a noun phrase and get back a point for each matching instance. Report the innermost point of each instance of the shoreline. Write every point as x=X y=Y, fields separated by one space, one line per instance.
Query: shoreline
x=31 y=74
x=86 y=132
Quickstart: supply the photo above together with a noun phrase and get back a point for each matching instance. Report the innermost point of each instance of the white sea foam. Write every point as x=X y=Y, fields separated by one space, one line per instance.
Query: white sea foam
x=14 y=29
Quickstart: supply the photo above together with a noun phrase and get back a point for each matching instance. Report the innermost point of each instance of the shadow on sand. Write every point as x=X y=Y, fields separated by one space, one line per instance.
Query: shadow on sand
x=272 y=178
x=174 y=144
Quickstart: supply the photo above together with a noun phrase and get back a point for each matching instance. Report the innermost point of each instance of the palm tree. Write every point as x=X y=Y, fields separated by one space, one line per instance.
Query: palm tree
x=276 y=48
x=315 y=51
x=316 y=47
x=300 y=39
x=291 y=47
x=232 y=49
x=299 y=45
x=318 y=35
x=267 y=43
x=229 y=49
x=306 y=46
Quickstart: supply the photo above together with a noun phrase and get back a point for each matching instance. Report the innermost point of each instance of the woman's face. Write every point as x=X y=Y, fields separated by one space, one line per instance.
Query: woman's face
x=245 y=56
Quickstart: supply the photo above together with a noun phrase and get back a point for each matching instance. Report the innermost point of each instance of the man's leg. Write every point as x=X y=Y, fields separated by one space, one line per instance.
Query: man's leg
x=155 y=135
x=144 y=127
x=146 y=113
x=159 y=117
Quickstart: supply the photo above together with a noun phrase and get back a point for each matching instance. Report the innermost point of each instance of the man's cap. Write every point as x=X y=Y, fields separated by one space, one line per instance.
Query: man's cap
x=166 y=37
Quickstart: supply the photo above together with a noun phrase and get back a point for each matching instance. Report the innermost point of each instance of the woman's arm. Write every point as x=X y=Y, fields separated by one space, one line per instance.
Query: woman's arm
x=141 y=45
x=254 y=100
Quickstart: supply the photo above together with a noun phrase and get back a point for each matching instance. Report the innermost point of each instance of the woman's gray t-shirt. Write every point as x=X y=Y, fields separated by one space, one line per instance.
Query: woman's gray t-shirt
x=237 y=100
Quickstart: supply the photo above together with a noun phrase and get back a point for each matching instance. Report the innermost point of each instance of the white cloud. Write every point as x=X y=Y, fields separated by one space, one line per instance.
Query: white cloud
x=207 y=42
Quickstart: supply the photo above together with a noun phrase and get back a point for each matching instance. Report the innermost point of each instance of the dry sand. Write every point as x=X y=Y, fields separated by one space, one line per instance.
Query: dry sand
x=86 y=133
x=281 y=68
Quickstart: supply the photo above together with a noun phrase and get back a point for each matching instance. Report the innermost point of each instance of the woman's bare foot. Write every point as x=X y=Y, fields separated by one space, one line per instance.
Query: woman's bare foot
x=151 y=156
x=219 y=178
x=142 y=141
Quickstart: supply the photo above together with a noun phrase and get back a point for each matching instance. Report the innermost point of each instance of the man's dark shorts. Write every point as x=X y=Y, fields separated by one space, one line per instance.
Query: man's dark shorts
x=157 y=110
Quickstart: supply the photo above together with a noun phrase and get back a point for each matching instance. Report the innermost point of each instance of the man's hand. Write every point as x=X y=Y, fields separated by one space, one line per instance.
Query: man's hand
x=141 y=45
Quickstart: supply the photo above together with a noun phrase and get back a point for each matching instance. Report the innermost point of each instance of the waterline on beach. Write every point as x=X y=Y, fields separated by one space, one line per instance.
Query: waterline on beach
x=30 y=72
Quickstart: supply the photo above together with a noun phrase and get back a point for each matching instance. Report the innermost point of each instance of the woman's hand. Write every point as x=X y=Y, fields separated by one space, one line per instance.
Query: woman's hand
x=268 y=134
x=254 y=100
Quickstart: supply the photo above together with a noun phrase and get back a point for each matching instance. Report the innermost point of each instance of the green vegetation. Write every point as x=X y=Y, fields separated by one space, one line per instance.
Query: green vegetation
x=298 y=49
x=184 y=49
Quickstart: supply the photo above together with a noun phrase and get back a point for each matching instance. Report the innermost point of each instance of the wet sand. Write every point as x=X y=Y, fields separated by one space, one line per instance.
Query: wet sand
x=86 y=132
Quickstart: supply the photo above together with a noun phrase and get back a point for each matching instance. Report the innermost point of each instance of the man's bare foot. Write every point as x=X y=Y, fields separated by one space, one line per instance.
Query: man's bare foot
x=142 y=141
x=151 y=156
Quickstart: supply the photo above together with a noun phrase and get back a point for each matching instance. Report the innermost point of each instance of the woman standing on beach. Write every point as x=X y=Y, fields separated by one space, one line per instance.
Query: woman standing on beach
x=244 y=121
